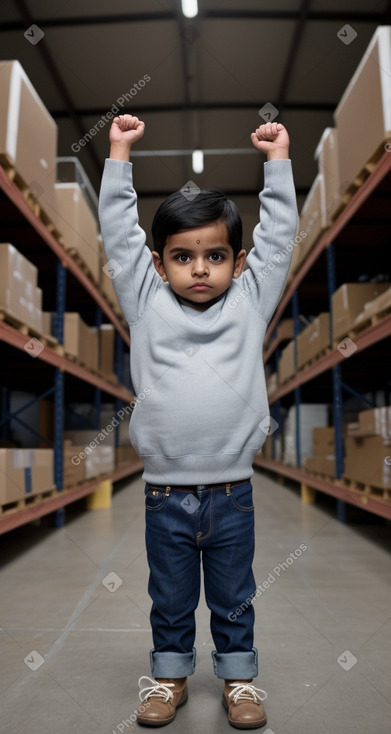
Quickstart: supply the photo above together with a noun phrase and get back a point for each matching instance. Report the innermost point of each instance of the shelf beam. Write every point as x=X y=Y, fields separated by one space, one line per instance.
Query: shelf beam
x=340 y=492
x=16 y=339
x=363 y=340
x=13 y=519
x=20 y=202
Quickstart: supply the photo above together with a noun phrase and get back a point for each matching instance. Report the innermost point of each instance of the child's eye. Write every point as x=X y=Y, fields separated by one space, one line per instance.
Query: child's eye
x=217 y=257
x=182 y=255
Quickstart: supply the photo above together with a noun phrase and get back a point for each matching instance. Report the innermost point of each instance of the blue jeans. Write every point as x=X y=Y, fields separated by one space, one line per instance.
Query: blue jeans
x=179 y=525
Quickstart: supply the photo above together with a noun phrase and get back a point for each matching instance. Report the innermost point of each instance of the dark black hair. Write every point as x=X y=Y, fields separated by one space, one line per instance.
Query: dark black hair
x=187 y=210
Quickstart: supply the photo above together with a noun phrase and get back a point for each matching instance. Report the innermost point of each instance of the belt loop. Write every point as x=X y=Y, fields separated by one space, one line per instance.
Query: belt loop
x=228 y=489
x=167 y=492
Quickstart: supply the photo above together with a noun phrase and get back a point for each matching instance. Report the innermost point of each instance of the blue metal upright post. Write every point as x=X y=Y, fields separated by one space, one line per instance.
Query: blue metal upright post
x=297 y=390
x=337 y=385
x=59 y=392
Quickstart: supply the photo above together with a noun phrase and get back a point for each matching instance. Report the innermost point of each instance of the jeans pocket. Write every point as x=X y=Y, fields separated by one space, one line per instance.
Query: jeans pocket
x=155 y=498
x=242 y=497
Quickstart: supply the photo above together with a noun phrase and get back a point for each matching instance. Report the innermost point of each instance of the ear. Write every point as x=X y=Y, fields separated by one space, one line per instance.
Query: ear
x=239 y=263
x=158 y=263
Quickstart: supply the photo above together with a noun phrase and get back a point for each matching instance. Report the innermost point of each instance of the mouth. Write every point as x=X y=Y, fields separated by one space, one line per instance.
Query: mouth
x=199 y=287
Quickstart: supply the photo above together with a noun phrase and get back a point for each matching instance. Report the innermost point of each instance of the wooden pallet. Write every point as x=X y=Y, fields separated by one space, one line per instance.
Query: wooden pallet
x=321 y=475
x=27 y=501
x=358 y=181
x=323 y=353
x=364 y=488
x=47 y=340
x=75 y=255
x=27 y=193
x=363 y=326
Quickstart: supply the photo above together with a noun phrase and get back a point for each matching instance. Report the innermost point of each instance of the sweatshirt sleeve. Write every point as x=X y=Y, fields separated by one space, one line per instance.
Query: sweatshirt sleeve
x=268 y=261
x=134 y=275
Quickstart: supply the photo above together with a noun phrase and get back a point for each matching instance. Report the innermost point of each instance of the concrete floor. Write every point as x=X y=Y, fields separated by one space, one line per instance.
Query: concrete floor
x=72 y=650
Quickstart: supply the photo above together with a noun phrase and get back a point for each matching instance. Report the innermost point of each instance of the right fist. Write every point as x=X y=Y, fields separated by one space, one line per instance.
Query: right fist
x=126 y=129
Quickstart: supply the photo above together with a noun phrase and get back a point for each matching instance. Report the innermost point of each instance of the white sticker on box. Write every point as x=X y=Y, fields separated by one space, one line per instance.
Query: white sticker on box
x=23 y=458
x=43 y=163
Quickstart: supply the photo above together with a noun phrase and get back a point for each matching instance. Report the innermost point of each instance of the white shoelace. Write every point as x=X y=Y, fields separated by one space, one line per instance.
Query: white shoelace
x=162 y=690
x=247 y=692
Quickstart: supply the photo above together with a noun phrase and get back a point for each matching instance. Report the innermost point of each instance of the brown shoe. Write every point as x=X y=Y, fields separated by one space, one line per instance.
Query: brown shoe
x=244 y=704
x=160 y=700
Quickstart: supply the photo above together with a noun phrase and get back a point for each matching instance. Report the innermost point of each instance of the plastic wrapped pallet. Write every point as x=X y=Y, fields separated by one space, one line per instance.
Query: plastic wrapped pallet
x=311 y=416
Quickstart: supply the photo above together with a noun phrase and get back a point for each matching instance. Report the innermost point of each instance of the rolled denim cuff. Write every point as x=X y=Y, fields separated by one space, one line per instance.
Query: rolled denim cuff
x=172 y=664
x=236 y=665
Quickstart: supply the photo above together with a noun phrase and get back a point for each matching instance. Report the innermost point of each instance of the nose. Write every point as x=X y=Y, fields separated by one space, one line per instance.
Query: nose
x=200 y=267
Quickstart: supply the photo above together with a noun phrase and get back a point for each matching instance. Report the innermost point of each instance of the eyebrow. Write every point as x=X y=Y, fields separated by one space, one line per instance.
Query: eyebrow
x=221 y=248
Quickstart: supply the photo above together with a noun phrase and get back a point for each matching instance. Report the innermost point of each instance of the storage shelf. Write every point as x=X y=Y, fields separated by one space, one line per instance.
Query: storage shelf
x=353 y=497
x=13 y=337
x=382 y=169
x=13 y=519
x=363 y=340
x=20 y=202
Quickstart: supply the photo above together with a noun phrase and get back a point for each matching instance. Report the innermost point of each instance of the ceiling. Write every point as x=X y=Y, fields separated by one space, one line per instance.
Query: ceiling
x=209 y=76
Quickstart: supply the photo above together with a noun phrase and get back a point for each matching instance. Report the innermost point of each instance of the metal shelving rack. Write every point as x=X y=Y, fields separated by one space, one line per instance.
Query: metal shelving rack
x=62 y=366
x=369 y=337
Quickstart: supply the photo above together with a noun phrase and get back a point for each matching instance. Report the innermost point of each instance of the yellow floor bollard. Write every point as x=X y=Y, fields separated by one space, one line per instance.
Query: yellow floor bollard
x=101 y=498
x=308 y=494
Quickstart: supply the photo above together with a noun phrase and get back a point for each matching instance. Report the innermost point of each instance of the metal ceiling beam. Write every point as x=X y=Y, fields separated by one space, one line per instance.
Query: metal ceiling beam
x=340 y=16
x=210 y=106
x=59 y=82
x=292 y=54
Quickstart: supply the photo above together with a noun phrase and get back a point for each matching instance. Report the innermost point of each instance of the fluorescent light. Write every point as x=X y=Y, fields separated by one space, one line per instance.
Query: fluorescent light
x=189 y=8
x=198 y=161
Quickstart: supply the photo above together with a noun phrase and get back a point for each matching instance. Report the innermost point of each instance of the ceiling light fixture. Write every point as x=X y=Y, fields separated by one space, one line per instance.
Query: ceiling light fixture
x=189 y=8
x=198 y=161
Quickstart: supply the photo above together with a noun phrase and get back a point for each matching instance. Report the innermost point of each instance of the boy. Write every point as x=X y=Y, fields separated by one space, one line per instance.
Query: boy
x=197 y=326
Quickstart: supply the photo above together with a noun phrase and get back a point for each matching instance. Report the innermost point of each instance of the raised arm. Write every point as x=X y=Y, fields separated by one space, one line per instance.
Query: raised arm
x=268 y=261
x=129 y=258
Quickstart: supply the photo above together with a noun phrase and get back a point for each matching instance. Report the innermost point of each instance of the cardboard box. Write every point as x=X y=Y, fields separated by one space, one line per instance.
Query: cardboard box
x=286 y=363
x=313 y=339
x=349 y=300
x=125 y=454
x=323 y=438
x=106 y=348
x=313 y=216
x=73 y=218
x=285 y=330
x=365 y=460
x=28 y=133
x=100 y=461
x=19 y=294
x=74 y=467
x=272 y=383
x=91 y=353
x=321 y=465
x=91 y=438
x=81 y=340
x=25 y=473
x=372 y=308
x=365 y=105
x=375 y=422
x=326 y=154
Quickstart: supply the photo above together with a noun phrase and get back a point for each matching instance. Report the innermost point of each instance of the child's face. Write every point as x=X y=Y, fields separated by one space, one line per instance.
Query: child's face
x=199 y=263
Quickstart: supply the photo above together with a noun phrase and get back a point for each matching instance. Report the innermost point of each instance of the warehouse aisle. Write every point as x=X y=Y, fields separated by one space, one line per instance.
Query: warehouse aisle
x=75 y=632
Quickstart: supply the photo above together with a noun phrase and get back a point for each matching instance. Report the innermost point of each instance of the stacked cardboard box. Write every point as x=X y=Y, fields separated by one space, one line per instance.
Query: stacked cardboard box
x=124 y=454
x=97 y=454
x=19 y=294
x=313 y=217
x=106 y=348
x=286 y=363
x=81 y=340
x=285 y=329
x=379 y=304
x=74 y=469
x=25 y=473
x=323 y=460
x=272 y=383
x=373 y=422
x=349 y=301
x=28 y=133
x=310 y=416
x=313 y=339
x=327 y=156
x=368 y=448
x=365 y=105
x=74 y=219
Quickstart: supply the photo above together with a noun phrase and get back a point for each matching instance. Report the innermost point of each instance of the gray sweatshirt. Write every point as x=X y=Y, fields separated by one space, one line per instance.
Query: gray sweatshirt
x=201 y=412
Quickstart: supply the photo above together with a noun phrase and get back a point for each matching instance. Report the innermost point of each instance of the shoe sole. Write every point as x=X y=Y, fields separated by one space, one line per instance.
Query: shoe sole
x=150 y=722
x=237 y=725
